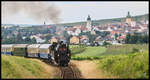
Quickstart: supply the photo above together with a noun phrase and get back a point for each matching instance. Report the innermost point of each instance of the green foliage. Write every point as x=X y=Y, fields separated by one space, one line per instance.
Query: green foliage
x=19 y=40
x=105 y=33
x=135 y=50
x=33 y=40
x=136 y=38
x=106 y=43
x=127 y=66
x=48 y=37
x=116 y=35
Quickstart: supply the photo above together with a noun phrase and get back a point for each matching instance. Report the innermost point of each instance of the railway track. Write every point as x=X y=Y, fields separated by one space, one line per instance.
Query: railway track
x=68 y=73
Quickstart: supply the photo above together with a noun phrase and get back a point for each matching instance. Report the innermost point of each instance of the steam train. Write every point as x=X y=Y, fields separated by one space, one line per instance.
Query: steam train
x=58 y=53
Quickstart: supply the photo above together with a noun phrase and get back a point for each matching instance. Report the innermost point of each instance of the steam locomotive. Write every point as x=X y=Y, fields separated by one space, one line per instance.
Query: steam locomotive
x=58 y=53
x=62 y=53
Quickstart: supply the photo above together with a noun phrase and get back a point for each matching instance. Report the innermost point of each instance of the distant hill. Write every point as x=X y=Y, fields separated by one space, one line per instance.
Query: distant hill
x=104 y=21
x=95 y=22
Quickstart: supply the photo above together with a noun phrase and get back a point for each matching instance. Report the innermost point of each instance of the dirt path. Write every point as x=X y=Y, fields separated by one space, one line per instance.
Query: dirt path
x=88 y=69
x=84 y=69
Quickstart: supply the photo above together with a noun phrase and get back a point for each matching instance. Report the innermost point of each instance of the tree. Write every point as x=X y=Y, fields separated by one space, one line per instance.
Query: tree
x=19 y=38
x=33 y=40
x=127 y=38
x=27 y=39
x=116 y=35
x=68 y=38
x=136 y=39
x=106 y=43
x=48 y=37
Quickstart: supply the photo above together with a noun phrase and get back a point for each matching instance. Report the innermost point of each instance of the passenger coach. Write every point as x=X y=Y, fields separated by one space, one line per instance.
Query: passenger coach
x=33 y=50
x=7 y=49
x=20 y=50
x=44 y=51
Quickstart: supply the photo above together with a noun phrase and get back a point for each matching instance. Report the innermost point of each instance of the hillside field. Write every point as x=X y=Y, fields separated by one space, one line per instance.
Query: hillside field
x=124 y=49
x=92 y=51
x=134 y=65
x=20 y=67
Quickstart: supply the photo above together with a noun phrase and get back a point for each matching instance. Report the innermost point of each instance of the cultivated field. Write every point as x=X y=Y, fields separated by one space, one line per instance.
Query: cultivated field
x=92 y=51
x=77 y=49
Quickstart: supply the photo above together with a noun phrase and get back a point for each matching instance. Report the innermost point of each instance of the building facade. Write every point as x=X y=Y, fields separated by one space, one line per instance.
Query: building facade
x=74 y=40
x=89 y=23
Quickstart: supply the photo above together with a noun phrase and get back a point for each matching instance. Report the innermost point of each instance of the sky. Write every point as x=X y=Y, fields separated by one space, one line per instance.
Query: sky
x=74 y=11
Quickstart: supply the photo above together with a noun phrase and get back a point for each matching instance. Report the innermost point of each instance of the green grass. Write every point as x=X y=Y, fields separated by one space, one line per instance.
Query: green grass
x=87 y=57
x=127 y=66
x=92 y=51
x=20 y=67
x=124 y=49
x=77 y=49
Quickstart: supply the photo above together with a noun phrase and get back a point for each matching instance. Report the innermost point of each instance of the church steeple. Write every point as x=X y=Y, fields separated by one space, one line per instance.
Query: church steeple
x=89 y=18
x=44 y=23
x=128 y=16
x=89 y=23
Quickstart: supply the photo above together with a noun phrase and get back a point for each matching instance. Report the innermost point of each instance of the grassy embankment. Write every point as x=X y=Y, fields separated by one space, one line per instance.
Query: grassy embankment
x=134 y=65
x=20 y=67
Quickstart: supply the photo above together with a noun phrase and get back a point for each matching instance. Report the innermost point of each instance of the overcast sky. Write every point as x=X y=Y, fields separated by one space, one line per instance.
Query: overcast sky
x=78 y=11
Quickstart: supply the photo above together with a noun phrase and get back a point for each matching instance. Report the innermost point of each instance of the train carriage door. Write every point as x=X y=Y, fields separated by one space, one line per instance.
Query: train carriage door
x=26 y=54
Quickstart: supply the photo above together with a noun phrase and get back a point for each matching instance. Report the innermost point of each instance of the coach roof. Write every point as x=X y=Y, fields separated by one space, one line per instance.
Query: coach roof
x=34 y=46
x=7 y=45
x=20 y=45
x=45 y=45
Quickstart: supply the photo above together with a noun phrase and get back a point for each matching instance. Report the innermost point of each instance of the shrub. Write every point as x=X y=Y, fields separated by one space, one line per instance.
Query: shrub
x=135 y=50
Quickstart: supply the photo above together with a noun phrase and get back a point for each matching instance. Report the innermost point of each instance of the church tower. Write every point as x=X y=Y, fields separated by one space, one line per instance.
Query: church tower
x=44 y=23
x=128 y=18
x=89 y=23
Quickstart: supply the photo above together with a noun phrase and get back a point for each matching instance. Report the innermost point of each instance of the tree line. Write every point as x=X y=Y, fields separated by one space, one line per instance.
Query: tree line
x=136 y=39
x=18 y=40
